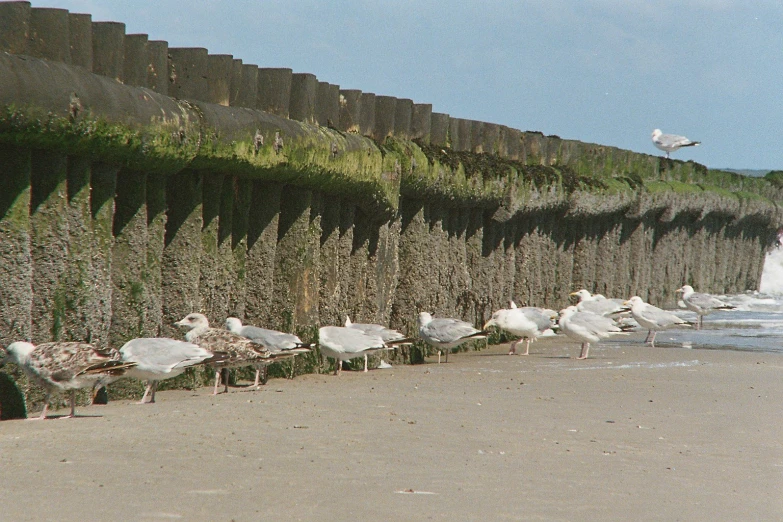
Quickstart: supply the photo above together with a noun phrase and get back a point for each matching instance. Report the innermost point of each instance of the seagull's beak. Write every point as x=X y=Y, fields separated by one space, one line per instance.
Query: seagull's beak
x=573 y=294
x=179 y=323
x=626 y=303
x=488 y=324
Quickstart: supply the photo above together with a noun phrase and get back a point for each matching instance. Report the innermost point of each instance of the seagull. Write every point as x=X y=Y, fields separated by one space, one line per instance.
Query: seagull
x=390 y=337
x=586 y=327
x=527 y=322
x=160 y=358
x=66 y=366
x=281 y=344
x=671 y=142
x=598 y=304
x=344 y=344
x=653 y=318
x=445 y=333
x=239 y=350
x=702 y=304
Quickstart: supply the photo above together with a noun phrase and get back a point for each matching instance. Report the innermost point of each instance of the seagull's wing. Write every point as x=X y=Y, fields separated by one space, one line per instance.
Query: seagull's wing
x=659 y=317
x=449 y=330
x=596 y=324
x=271 y=338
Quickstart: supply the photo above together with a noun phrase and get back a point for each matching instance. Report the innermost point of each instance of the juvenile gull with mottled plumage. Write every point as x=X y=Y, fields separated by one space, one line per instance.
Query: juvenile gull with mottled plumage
x=239 y=350
x=67 y=366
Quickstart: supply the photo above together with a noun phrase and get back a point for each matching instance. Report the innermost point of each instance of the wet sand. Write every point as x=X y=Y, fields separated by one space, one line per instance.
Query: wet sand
x=632 y=433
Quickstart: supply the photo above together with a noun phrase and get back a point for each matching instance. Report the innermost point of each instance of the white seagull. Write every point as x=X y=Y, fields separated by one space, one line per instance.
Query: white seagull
x=239 y=351
x=390 y=336
x=671 y=142
x=160 y=358
x=702 y=304
x=445 y=333
x=344 y=344
x=598 y=304
x=527 y=322
x=282 y=345
x=653 y=318
x=66 y=366
x=586 y=327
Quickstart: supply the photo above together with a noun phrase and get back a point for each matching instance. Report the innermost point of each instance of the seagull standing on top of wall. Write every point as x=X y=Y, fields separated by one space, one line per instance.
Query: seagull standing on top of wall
x=671 y=142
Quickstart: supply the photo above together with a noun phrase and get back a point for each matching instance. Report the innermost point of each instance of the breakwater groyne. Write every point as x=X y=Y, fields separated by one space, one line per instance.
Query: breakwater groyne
x=141 y=182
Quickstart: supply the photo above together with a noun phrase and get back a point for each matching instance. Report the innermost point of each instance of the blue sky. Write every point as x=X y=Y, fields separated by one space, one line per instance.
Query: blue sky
x=601 y=71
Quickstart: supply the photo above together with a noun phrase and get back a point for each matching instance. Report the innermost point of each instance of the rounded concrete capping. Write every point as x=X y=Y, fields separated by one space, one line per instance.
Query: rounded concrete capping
x=490 y=138
x=108 y=49
x=403 y=114
x=439 y=129
x=421 y=121
x=327 y=105
x=512 y=139
x=367 y=114
x=49 y=37
x=350 y=110
x=188 y=73
x=465 y=134
x=80 y=34
x=385 y=109
x=219 y=67
x=158 y=66
x=304 y=88
x=247 y=89
x=134 y=71
x=476 y=132
x=274 y=91
x=14 y=27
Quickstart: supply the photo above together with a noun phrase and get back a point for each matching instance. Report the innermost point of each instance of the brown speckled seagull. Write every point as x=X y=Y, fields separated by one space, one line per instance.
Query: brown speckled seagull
x=239 y=351
x=67 y=366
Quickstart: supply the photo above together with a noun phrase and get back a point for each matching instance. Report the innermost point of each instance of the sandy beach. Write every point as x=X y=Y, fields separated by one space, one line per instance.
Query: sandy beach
x=632 y=433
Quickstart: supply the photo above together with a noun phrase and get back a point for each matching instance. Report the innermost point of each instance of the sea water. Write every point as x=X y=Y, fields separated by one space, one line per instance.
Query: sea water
x=755 y=325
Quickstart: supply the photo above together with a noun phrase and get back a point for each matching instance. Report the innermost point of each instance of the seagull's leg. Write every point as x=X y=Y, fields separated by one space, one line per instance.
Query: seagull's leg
x=527 y=347
x=226 y=378
x=438 y=356
x=293 y=367
x=585 y=351
x=365 y=362
x=154 y=389
x=513 y=349
x=146 y=392
x=72 y=400
x=337 y=366
x=652 y=341
x=701 y=322
x=217 y=381
x=447 y=354
x=258 y=377
x=647 y=339
x=42 y=416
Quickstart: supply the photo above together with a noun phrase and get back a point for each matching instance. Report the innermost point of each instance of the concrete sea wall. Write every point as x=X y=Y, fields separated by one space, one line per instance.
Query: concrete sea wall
x=139 y=183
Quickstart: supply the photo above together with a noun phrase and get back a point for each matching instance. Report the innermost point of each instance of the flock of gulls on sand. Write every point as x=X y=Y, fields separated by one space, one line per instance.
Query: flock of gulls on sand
x=69 y=366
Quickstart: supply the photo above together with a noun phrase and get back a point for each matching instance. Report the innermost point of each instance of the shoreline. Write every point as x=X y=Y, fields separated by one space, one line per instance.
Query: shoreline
x=631 y=433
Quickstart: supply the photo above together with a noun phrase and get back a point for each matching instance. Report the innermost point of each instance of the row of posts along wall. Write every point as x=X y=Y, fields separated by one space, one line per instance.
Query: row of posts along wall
x=100 y=252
